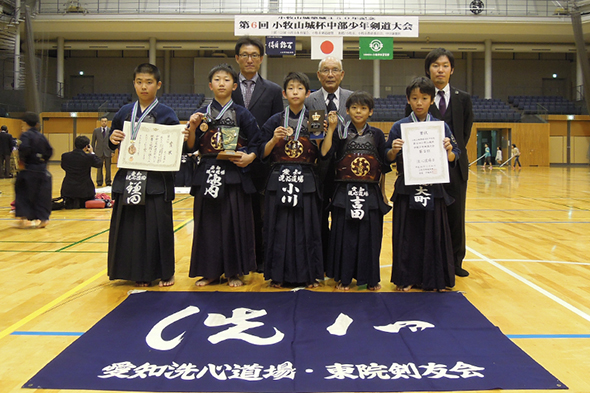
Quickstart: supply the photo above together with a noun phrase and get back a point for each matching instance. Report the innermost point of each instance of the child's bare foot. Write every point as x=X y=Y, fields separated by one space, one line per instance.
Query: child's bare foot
x=204 y=281
x=399 y=288
x=235 y=282
x=142 y=283
x=342 y=287
x=375 y=288
x=313 y=284
x=167 y=283
x=276 y=284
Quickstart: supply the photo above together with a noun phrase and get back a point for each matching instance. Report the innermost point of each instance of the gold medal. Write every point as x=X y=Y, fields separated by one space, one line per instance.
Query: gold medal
x=204 y=127
x=289 y=131
x=132 y=149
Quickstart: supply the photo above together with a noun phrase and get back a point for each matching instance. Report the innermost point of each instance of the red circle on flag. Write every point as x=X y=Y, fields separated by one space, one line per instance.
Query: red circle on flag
x=327 y=47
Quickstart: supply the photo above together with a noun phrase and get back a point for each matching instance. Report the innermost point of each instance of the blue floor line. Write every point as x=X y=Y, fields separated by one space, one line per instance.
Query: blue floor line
x=46 y=333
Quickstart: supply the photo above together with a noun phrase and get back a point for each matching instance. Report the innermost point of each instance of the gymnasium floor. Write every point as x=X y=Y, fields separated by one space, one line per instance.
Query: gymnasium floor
x=528 y=254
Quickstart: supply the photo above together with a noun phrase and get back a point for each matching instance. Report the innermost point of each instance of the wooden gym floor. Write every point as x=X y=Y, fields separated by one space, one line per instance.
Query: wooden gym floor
x=528 y=243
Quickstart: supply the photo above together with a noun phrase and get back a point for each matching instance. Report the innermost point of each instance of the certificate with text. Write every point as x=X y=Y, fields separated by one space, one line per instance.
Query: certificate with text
x=425 y=158
x=157 y=147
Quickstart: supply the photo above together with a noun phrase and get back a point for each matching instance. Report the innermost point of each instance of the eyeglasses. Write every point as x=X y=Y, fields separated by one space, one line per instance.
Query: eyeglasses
x=254 y=56
x=327 y=71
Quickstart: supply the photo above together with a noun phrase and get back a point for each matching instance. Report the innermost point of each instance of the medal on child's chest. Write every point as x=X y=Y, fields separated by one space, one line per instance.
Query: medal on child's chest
x=136 y=125
x=294 y=148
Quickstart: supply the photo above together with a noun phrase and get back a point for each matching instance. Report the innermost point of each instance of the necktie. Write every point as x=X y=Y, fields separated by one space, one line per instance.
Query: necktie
x=442 y=104
x=331 y=105
x=248 y=95
x=104 y=131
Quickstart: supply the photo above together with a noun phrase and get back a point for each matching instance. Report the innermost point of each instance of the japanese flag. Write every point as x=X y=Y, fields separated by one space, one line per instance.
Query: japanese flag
x=326 y=46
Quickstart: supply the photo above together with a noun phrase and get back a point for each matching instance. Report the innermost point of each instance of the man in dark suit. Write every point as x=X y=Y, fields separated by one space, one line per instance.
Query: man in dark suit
x=263 y=99
x=6 y=146
x=455 y=108
x=100 y=144
x=77 y=186
x=329 y=98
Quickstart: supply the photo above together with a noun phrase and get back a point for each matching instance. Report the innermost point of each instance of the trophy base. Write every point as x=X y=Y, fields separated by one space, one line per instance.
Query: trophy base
x=226 y=155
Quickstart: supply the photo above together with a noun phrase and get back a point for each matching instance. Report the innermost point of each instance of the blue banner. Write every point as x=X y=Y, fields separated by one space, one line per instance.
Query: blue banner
x=280 y=46
x=293 y=342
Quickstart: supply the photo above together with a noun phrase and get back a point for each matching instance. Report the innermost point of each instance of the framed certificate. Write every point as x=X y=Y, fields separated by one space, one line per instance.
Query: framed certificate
x=157 y=147
x=425 y=158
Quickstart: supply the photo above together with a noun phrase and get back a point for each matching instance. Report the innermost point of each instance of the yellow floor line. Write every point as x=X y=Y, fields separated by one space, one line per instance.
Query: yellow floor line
x=66 y=295
x=50 y=305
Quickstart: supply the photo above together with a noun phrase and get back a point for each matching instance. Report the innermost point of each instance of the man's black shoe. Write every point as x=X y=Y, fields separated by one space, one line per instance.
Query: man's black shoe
x=460 y=272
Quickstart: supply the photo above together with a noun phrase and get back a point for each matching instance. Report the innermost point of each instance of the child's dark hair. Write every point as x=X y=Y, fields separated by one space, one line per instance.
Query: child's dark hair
x=31 y=118
x=360 y=98
x=422 y=83
x=296 y=76
x=247 y=40
x=224 y=67
x=434 y=55
x=147 y=68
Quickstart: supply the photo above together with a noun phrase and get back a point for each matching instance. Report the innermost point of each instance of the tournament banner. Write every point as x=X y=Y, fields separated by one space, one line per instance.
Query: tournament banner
x=280 y=46
x=300 y=341
x=332 y=25
x=375 y=48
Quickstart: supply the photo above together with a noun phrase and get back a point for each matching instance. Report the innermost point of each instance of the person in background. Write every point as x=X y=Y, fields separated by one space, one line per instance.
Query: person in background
x=263 y=99
x=455 y=108
x=32 y=188
x=6 y=146
x=77 y=186
x=100 y=144
x=516 y=155
x=498 y=155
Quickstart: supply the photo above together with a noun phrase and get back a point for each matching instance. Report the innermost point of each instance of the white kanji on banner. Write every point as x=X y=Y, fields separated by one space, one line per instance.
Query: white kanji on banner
x=326 y=46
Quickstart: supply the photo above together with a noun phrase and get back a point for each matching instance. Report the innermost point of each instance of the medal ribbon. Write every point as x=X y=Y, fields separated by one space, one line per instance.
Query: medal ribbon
x=299 y=121
x=135 y=126
x=221 y=113
x=415 y=119
x=344 y=135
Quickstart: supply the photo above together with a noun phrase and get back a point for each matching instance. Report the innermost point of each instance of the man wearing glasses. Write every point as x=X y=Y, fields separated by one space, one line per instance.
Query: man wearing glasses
x=331 y=97
x=263 y=99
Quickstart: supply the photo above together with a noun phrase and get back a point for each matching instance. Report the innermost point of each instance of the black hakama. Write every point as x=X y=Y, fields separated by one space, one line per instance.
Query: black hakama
x=223 y=239
x=141 y=240
x=32 y=195
x=355 y=245
x=422 y=247
x=292 y=235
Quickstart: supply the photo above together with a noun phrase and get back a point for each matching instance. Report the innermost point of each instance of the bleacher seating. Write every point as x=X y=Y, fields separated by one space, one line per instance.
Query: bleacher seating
x=552 y=105
x=183 y=104
x=96 y=102
x=493 y=111
x=392 y=108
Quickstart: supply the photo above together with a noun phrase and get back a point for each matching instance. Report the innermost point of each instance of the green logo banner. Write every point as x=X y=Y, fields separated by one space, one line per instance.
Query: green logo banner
x=371 y=48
